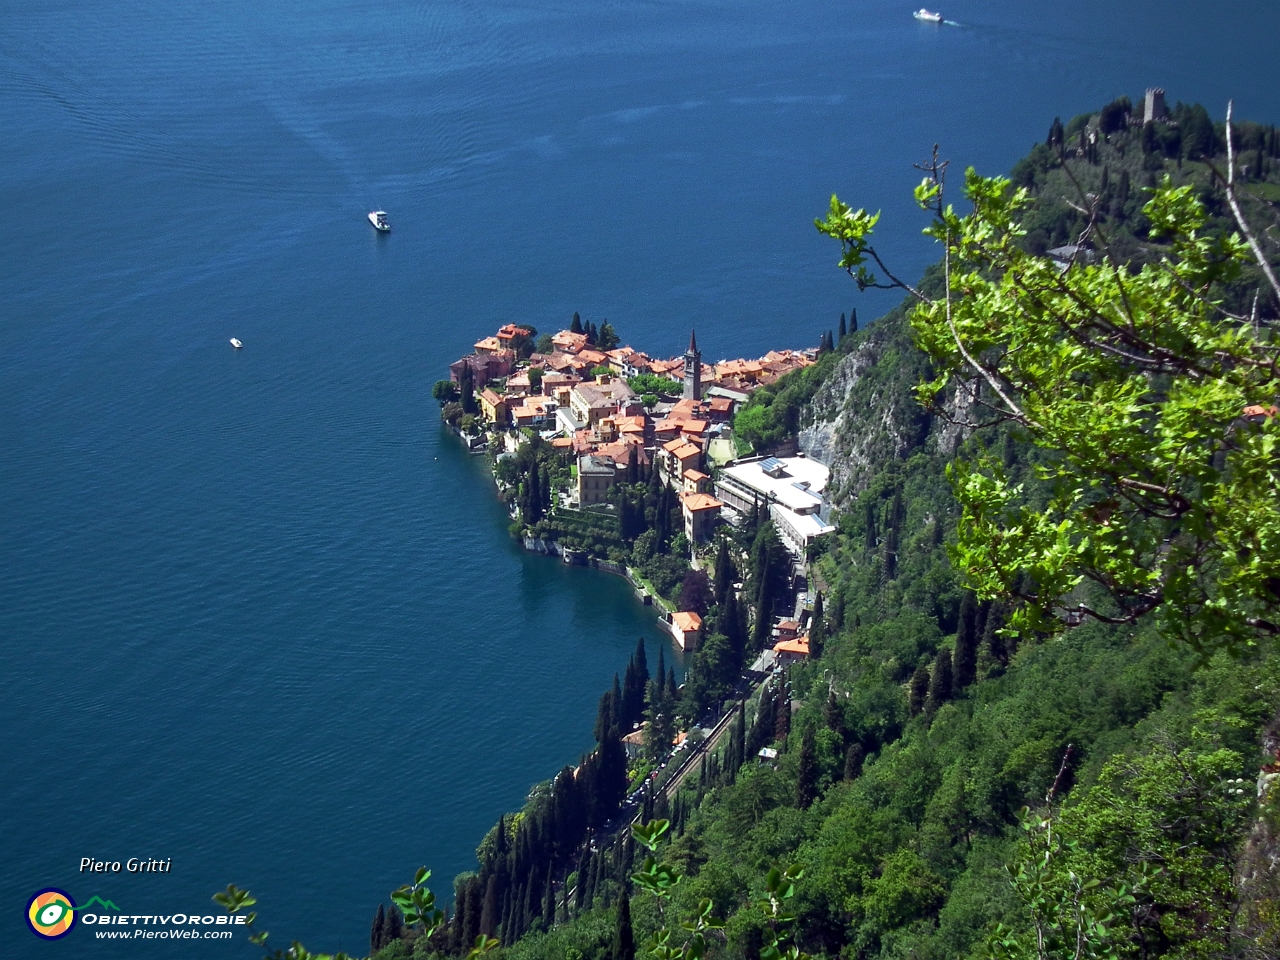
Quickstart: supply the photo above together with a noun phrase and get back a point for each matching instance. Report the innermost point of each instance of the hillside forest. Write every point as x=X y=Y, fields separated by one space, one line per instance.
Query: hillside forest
x=1042 y=711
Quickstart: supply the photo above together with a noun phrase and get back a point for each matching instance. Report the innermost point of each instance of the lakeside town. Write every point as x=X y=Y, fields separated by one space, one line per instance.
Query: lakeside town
x=576 y=423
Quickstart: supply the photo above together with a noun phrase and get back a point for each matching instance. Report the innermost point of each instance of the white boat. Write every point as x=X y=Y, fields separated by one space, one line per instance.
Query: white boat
x=927 y=15
x=379 y=220
x=236 y=343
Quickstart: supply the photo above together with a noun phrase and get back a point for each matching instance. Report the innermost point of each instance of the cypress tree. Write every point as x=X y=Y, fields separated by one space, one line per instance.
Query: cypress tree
x=853 y=761
x=393 y=929
x=992 y=641
x=642 y=674
x=475 y=912
x=576 y=325
x=782 y=717
x=919 y=690
x=375 y=934
x=506 y=924
x=624 y=941
x=584 y=874
x=740 y=739
x=807 y=772
x=604 y=717
x=633 y=466
x=531 y=904
x=549 y=902
x=966 y=655
x=833 y=714
x=467 y=389
x=489 y=913
x=1056 y=136
x=817 y=630
x=844 y=329
x=853 y=320
x=941 y=683
x=723 y=573
x=764 y=615
x=672 y=690
x=458 y=923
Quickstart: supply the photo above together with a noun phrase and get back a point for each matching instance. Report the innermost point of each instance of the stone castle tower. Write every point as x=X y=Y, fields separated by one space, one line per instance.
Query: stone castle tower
x=692 y=370
x=1153 y=107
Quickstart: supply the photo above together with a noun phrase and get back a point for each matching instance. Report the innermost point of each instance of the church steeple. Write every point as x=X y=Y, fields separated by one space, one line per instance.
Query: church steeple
x=693 y=370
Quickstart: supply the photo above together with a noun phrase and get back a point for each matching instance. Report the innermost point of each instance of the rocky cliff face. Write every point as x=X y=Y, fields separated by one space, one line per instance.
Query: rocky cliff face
x=866 y=412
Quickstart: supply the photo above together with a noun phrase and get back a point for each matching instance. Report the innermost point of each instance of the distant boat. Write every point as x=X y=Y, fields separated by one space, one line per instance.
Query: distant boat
x=927 y=15
x=236 y=343
x=379 y=220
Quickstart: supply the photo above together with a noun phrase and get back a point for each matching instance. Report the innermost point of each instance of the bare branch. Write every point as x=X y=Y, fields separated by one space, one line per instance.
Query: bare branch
x=1235 y=210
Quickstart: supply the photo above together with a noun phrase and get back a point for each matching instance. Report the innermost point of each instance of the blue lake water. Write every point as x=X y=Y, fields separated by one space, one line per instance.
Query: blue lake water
x=257 y=613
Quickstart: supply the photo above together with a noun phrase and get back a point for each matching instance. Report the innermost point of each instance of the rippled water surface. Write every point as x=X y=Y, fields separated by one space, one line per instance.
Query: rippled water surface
x=257 y=614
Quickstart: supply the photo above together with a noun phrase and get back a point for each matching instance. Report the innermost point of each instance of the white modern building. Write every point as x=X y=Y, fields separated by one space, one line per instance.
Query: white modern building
x=791 y=487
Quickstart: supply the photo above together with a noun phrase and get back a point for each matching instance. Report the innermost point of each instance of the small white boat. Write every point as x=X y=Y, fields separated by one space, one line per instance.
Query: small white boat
x=379 y=220
x=927 y=15
x=236 y=343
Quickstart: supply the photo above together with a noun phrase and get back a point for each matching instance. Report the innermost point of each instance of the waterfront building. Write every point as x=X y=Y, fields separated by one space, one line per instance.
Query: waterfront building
x=595 y=476
x=686 y=628
x=494 y=407
x=488 y=345
x=484 y=366
x=509 y=333
x=791 y=488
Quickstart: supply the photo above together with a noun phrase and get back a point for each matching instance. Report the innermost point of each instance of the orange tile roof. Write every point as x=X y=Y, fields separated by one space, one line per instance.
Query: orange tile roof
x=569 y=342
x=490 y=397
x=592 y=356
x=488 y=343
x=697 y=502
x=799 y=645
x=671 y=446
x=686 y=450
x=687 y=621
x=695 y=475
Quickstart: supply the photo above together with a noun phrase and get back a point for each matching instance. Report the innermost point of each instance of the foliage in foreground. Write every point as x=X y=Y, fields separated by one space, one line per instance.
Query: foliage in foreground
x=1154 y=401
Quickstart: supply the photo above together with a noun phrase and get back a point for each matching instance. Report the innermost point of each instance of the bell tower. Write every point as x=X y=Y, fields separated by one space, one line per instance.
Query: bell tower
x=692 y=370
